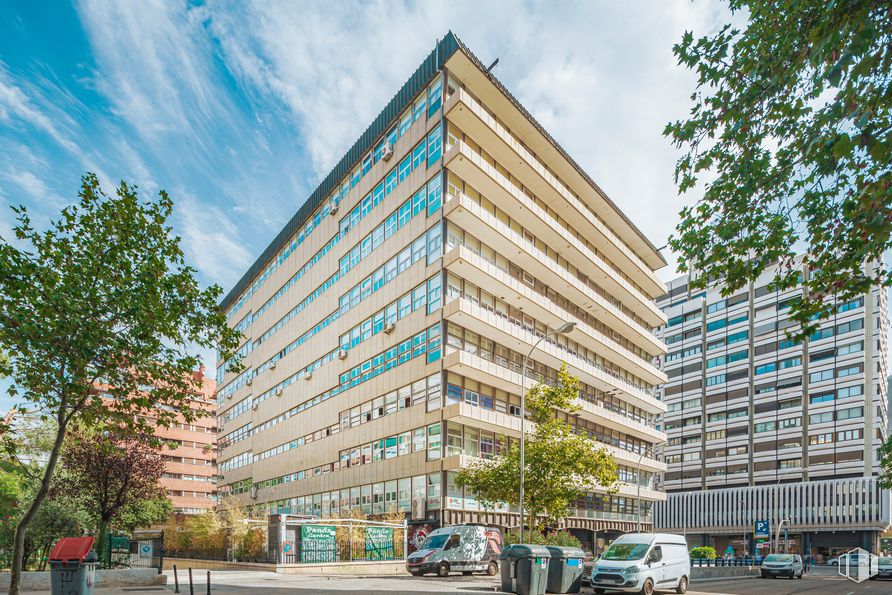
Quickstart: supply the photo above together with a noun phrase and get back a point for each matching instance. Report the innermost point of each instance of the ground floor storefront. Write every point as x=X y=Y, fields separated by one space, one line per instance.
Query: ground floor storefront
x=821 y=545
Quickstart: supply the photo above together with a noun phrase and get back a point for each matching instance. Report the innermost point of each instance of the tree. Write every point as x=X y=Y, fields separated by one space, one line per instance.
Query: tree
x=791 y=126
x=110 y=474
x=885 y=454
x=560 y=465
x=105 y=295
x=142 y=513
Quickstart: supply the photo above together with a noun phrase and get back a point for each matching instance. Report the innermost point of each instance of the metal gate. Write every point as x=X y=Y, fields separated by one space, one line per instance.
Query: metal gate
x=142 y=549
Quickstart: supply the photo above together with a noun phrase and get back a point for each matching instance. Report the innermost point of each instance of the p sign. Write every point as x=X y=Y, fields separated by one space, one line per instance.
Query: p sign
x=762 y=529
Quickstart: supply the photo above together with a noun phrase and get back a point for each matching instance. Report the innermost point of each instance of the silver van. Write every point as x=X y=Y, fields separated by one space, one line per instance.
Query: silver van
x=464 y=548
x=643 y=563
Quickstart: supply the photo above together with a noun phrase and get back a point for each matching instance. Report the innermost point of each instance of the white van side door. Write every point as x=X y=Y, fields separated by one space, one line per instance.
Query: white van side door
x=656 y=565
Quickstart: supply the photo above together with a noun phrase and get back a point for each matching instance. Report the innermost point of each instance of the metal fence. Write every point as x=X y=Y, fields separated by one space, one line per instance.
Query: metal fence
x=725 y=562
x=142 y=549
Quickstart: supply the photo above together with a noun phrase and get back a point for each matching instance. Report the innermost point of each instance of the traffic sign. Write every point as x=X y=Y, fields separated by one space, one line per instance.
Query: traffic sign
x=762 y=529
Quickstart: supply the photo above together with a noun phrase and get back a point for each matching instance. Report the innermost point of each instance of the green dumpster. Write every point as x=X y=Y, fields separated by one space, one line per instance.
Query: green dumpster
x=565 y=569
x=73 y=566
x=524 y=569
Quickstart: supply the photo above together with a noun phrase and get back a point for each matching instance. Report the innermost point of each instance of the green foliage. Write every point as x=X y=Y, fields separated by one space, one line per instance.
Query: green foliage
x=141 y=513
x=791 y=134
x=560 y=466
x=560 y=538
x=703 y=552
x=214 y=532
x=885 y=454
x=103 y=296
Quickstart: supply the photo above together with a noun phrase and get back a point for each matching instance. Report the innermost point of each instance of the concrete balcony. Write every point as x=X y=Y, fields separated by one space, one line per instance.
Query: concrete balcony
x=476 y=368
x=470 y=166
x=501 y=330
x=473 y=268
x=470 y=116
x=456 y=462
x=471 y=216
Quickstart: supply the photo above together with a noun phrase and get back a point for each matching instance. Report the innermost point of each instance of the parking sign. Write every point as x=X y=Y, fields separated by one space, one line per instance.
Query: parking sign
x=762 y=529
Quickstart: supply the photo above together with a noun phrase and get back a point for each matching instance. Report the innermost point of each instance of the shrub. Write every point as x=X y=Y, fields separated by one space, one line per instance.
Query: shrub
x=561 y=538
x=703 y=552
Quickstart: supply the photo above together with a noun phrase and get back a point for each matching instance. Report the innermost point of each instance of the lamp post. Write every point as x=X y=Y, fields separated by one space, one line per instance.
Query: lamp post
x=638 y=482
x=561 y=330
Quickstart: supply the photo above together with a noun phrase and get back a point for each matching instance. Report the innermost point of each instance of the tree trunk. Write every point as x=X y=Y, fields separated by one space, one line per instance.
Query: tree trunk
x=18 y=544
x=101 y=547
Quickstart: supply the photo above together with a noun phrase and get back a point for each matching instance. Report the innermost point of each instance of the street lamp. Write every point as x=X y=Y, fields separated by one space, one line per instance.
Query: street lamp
x=561 y=330
x=638 y=482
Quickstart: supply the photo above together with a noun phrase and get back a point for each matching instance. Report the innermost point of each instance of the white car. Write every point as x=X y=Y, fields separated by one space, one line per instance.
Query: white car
x=643 y=563
x=853 y=560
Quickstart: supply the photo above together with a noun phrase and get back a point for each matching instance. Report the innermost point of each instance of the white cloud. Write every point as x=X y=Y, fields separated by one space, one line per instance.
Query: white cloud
x=210 y=240
x=155 y=67
x=15 y=103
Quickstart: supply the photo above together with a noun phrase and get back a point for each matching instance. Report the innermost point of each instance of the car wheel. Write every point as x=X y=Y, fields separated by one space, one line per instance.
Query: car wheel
x=800 y=576
x=443 y=570
x=492 y=569
x=648 y=588
x=682 y=587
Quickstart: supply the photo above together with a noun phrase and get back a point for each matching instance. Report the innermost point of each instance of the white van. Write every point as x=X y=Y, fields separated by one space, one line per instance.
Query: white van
x=465 y=548
x=643 y=563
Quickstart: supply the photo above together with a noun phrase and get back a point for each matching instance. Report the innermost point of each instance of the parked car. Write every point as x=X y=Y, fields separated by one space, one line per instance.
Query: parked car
x=788 y=565
x=884 y=568
x=643 y=563
x=465 y=548
x=852 y=558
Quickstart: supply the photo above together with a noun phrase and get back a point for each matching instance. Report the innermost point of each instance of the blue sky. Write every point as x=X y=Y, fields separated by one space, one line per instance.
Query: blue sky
x=239 y=110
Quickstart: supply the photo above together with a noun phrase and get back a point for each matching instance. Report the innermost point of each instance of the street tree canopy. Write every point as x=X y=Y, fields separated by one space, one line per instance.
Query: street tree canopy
x=790 y=133
x=560 y=465
x=104 y=295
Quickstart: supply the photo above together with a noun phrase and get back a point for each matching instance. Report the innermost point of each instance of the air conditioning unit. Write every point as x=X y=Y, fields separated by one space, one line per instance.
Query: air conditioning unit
x=387 y=152
x=279 y=391
x=249 y=382
x=333 y=209
x=389 y=327
x=229 y=396
x=308 y=375
x=255 y=405
x=342 y=354
x=272 y=365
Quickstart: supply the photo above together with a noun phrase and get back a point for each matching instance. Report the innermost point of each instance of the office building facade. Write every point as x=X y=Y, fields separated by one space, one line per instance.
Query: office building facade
x=386 y=325
x=761 y=427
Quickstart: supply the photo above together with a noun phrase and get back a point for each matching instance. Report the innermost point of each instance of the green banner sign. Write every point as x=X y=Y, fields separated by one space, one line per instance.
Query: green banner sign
x=318 y=543
x=379 y=543
x=118 y=543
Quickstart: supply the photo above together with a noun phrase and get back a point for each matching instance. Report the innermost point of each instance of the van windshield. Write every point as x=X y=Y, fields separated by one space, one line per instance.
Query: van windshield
x=625 y=551
x=435 y=542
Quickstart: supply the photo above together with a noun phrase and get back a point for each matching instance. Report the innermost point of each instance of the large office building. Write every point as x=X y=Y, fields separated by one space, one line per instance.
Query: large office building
x=764 y=428
x=386 y=325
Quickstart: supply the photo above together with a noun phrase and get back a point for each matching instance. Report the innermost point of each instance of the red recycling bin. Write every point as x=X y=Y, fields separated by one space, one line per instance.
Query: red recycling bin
x=72 y=566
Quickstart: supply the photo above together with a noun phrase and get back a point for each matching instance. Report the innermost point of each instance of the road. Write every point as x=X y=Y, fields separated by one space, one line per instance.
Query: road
x=812 y=585
x=270 y=583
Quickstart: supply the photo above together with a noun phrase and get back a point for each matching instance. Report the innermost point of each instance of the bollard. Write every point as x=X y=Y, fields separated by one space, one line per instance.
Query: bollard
x=191 y=587
x=176 y=581
x=209 y=582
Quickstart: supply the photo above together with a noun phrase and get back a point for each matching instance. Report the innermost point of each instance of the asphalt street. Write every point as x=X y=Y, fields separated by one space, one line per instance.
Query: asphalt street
x=269 y=583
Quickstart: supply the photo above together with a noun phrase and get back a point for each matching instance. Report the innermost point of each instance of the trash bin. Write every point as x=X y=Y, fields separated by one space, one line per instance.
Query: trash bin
x=565 y=569
x=524 y=569
x=73 y=566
